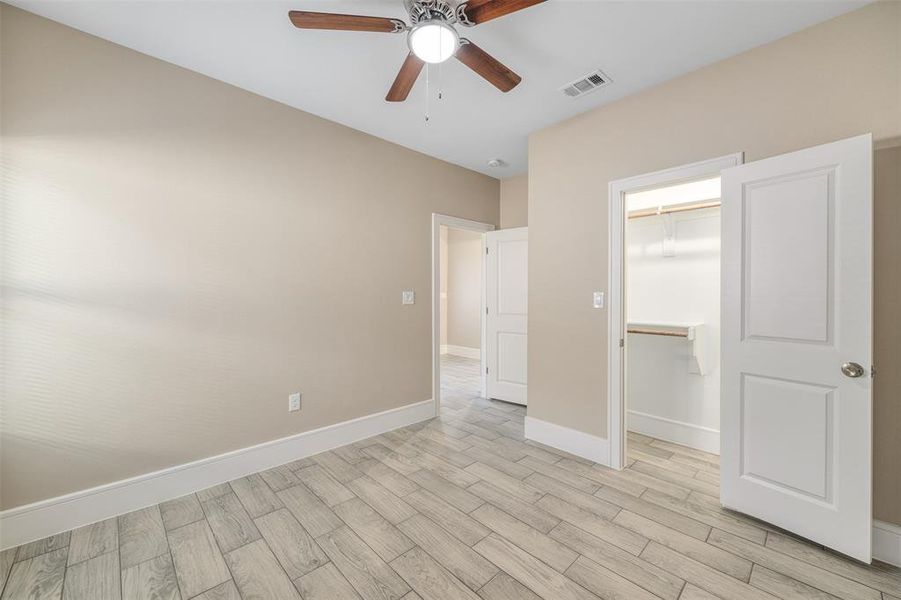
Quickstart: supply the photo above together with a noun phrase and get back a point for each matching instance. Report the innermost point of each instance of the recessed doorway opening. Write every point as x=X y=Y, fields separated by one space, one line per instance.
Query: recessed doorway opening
x=665 y=310
x=458 y=307
x=672 y=291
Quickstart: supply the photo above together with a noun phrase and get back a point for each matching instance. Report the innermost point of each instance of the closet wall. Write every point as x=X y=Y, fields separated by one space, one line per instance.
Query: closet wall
x=663 y=397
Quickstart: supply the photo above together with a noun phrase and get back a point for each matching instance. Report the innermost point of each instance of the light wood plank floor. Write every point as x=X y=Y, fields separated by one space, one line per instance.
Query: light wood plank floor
x=458 y=507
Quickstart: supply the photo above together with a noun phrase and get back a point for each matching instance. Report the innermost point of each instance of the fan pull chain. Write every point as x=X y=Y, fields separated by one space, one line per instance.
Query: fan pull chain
x=427 y=93
x=440 y=81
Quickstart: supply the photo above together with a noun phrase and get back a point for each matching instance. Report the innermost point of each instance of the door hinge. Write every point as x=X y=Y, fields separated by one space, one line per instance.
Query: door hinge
x=486 y=370
x=486 y=249
x=872 y=371
x=622 y=343
x=486 y=310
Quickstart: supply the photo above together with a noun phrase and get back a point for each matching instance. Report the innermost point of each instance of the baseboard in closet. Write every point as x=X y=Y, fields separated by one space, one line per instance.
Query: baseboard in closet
x=678 y=432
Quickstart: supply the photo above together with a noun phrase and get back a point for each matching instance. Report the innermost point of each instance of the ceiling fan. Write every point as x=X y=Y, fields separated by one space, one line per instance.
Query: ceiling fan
x=431 y=37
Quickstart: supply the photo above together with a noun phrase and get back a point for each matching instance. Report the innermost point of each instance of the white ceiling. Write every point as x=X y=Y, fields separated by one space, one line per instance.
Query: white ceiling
x=344 y=76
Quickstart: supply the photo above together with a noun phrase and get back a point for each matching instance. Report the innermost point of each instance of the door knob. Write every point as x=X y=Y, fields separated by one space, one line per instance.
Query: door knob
x=852 y=369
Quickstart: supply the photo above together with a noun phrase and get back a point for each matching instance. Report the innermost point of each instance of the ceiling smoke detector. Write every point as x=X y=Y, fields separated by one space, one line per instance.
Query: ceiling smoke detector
x=495 y=163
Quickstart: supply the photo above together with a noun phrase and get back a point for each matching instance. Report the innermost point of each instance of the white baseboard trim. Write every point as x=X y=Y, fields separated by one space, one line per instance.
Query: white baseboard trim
x=887 y=542
x=569 y=440
x=463 y=351
x=678 y=432
x=55 y=515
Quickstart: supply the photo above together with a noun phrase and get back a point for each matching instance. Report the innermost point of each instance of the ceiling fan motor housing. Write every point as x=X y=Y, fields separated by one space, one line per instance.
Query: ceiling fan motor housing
x=432 y=37
x=427 y=10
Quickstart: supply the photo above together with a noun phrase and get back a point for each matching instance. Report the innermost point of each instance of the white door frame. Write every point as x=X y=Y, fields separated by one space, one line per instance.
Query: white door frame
x=454 y=223
x=616 y=409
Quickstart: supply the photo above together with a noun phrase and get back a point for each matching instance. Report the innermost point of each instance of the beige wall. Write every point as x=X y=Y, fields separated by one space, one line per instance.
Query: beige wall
x=179 y=255
x=515 y=202
x=834 y=80
x=442 y=286
x=887 y=350
x=464 y=288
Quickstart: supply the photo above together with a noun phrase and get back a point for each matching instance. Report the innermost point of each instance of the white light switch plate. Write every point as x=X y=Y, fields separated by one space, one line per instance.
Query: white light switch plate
x=408 y=297
x=294 y=402
x=598 y=300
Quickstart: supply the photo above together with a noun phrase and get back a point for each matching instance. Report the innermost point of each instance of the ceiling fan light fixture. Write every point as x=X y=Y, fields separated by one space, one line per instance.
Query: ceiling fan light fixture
x=433 y=41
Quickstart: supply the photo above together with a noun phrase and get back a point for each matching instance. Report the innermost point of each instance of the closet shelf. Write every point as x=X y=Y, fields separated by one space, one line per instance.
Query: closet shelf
x=673 y=208
x=681 y=332
x=692 y=333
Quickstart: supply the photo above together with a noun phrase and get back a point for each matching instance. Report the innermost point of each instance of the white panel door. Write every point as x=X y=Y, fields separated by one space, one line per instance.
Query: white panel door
x=506 y=344
x=796 y=425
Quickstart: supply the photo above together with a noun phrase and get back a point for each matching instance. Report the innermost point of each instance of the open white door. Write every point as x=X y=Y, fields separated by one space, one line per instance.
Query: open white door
x=796 y=425
x=508 y=270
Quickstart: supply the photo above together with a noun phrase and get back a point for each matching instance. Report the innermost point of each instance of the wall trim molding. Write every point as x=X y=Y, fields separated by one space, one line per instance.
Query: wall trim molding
x=576 y=442
x=40 y=519
x=887 y=542
x=463 y=351
x=678 y=432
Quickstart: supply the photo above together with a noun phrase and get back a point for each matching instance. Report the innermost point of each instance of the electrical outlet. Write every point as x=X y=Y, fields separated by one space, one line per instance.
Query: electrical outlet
x=294 y=402
x=408 y=297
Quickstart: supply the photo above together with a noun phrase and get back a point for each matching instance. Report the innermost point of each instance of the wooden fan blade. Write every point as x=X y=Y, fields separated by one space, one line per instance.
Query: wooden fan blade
x=317 y=20
x=474 y=12
x=405 y=79
x=487 y=66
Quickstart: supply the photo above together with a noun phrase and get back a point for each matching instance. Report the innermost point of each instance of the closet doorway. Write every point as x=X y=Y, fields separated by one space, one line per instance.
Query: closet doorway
x=665 y=295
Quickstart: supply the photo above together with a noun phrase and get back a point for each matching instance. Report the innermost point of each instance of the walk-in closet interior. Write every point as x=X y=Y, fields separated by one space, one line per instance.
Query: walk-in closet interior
x=673 y=313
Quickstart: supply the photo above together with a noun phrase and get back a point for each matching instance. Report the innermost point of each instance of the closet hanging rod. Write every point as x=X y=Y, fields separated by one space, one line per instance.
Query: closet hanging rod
x=673 y=208
x=651 y=331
